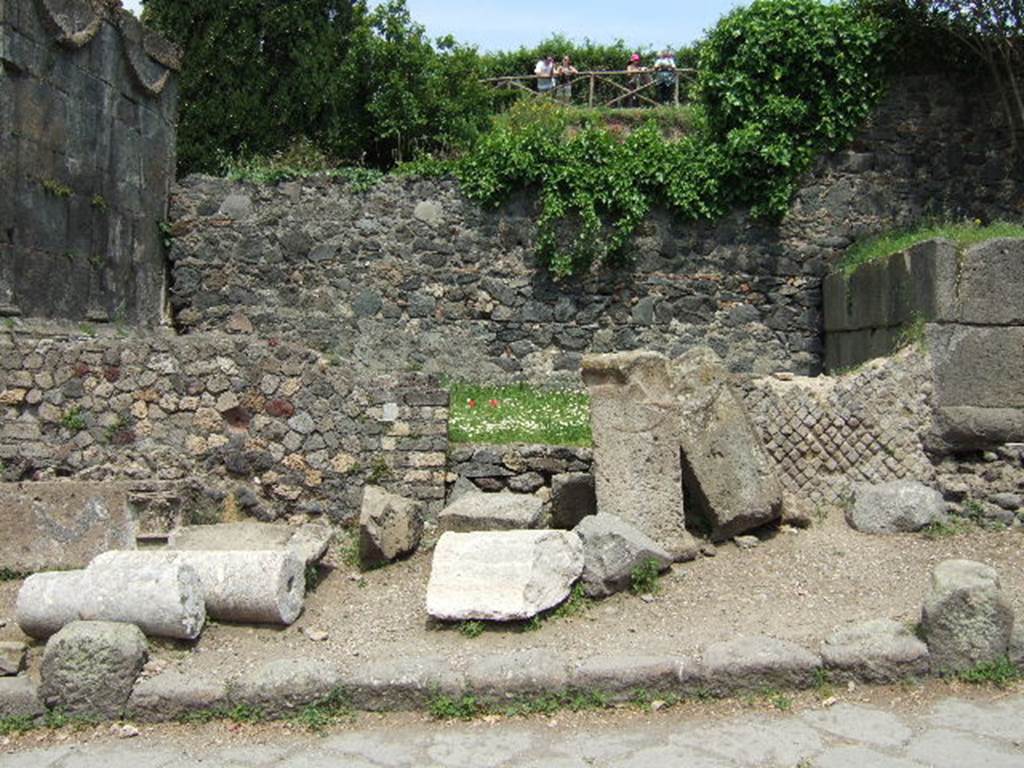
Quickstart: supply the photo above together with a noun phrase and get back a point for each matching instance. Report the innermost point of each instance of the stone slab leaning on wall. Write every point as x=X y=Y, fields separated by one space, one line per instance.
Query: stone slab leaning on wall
x=661 y=426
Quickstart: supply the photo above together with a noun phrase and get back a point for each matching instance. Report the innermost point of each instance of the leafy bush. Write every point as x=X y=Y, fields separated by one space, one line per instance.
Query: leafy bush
x=644 y=580
x=783 y=81
x=780 y=82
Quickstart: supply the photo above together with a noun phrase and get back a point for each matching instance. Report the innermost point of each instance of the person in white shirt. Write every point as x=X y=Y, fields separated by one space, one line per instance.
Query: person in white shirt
x=545 y=72
x=665 y=76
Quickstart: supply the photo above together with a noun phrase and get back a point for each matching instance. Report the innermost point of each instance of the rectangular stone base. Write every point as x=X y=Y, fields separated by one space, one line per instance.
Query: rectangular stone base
x=64 y=524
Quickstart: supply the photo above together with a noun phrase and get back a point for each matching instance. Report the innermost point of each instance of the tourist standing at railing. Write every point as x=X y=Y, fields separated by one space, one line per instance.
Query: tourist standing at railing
x=545 y=72
x=565 y=73
x=638 y=78
x=665 y=76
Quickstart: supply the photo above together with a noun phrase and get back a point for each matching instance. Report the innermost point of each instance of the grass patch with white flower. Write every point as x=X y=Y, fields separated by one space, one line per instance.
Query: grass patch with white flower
x=518 y=413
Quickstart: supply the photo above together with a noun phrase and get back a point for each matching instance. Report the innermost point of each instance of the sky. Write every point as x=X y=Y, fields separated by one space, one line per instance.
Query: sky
x=494 y=25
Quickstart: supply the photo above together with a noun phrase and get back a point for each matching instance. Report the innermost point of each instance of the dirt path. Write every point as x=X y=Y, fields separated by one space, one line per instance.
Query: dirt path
x=797 y=585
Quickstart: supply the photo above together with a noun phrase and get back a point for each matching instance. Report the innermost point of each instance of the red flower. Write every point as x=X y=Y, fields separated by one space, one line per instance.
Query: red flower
x=471 y=403
x=493 y=403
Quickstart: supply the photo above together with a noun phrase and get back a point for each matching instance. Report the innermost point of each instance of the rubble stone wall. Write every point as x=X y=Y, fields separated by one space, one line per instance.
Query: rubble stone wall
x=88 y=116
x=516 y=468
x=411 y=275
x=263 y=428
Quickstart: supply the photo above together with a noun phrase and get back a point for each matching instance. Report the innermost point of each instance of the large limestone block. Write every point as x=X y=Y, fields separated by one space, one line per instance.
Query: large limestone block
x=475 y=511
x=729 y=473
x=634 y=420
x=309 y=542
x=991 y=285
x=612 y=550
x=246 y=586
x=966 y=619
x=900 y=506
x=390 y=526
x=90 y=667
x=162 y=598
x=977 y=372
x=502 y=575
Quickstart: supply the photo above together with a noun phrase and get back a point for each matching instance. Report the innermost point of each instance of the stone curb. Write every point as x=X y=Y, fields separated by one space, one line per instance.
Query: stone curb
x=281 y=688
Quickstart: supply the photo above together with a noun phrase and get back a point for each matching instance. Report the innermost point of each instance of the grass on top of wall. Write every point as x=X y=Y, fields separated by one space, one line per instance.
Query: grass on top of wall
x=518 y=413
x=964 y=234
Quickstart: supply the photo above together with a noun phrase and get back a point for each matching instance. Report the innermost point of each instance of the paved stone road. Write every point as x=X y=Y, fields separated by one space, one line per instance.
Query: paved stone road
x=952 y=733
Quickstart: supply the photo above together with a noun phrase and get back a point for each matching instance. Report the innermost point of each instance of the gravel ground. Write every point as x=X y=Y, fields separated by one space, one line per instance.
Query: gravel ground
x=796 y=585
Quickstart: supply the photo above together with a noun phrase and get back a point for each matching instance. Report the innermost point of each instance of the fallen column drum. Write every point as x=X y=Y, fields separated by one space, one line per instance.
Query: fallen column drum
x=162 y=598
x=264 y=587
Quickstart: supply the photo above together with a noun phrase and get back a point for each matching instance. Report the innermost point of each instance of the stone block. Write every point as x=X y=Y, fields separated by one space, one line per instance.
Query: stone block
x=612 y=550
x=491 y=512
x=281 y=687
x=920 y=282
x=977 y=373
x=90 y=667
x=64 y=524
x=502 y=575
x=308 y=542
x=620 y=677
x=634 y=420
x=389 y=526
x=726 y=469
x=900 y=506
x=12 y=658
x=965 y=619
x=976 y=366
x=991 y=287
x=879 y=651
x=401 y=683
x=572 y=499
x=752 y=663
x=19 y=697
x=517 y=674
x=172 y=694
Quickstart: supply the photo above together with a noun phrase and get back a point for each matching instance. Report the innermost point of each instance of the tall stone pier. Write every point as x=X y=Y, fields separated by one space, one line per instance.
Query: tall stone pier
x=88 y=114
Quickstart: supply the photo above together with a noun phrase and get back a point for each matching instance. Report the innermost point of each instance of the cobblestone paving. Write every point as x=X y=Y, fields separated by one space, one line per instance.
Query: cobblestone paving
x=952 y=733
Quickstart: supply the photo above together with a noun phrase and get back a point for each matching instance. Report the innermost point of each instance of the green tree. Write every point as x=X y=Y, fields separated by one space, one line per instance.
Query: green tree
x=363 y=86
x=256 y=73
x=416 y=98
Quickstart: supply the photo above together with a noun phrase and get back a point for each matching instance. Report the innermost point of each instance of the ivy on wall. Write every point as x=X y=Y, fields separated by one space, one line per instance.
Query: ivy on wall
x=781 y=82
